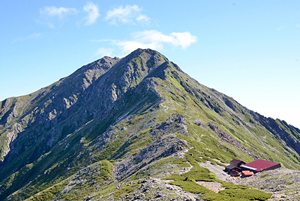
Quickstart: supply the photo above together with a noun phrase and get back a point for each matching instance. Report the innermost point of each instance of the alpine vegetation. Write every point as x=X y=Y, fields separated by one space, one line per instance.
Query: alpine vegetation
x=138 y=128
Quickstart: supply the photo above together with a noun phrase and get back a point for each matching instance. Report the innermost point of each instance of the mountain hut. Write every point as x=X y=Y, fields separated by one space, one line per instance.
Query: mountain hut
x=261 y=165
x=230 y=168
x=247 y=173
x=237 y=163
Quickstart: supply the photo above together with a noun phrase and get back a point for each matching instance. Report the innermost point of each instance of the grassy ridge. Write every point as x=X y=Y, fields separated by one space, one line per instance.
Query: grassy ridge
x=146 y=94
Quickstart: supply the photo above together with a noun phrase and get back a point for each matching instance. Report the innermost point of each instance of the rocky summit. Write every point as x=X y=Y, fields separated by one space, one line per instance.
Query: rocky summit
x=139 y=128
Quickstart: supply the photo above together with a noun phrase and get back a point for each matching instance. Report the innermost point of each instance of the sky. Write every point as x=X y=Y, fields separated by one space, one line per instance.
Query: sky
x=248 y=50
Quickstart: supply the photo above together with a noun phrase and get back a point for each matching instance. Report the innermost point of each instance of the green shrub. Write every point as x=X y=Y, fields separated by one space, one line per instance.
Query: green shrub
x=232 y=186
x=264 y=175
x=175 y=177
x=49 y=193
x=106 y=169
x=191 y=187
x=248 y=194
x=181 y=162
x=198 y=173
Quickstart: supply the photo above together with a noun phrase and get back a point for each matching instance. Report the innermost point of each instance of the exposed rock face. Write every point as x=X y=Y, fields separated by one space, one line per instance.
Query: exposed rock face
x=160 y=148
x=176 y=123
x=231 y=140
x=116 y=121
x=50 y=107
x=288 y=134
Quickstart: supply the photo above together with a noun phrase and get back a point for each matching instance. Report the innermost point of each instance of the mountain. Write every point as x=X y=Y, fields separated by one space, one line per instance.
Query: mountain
x=132 y=128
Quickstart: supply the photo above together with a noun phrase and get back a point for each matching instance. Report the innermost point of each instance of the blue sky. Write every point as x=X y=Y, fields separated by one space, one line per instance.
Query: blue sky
x=249 y=50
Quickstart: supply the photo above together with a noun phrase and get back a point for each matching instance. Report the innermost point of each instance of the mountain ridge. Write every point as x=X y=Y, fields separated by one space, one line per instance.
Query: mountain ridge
x=127 y=115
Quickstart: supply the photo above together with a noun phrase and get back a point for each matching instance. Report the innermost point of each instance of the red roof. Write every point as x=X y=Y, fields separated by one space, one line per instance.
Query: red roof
x=247 y=173
x=260 y=165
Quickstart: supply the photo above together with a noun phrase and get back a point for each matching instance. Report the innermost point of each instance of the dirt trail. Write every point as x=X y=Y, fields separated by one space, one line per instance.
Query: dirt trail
x=214 y=186
x=217 y=169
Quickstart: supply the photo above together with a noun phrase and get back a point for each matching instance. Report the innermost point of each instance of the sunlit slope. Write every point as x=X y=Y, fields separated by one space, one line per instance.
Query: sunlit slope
x=117 y=121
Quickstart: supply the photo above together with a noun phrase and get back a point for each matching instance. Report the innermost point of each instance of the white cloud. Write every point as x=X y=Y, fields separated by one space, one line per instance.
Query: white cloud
x=143 y=18
x=104 y=52
x=53 y=11
x=183 y=39
x=53 y=16
x=93 y=13
x=155 y=40
x=31 y=36
x=127 y=14
x=129 y=46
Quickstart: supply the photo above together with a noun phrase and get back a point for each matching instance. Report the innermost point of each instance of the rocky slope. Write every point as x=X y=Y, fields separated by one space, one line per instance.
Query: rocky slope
x=117 y=128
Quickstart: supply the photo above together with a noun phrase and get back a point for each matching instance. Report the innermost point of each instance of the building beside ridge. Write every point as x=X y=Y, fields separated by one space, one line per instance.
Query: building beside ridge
x=236 y=162
x=234 y=173
x=234 y=166
x=247 y=173
x=230 y=168
x=261 y=165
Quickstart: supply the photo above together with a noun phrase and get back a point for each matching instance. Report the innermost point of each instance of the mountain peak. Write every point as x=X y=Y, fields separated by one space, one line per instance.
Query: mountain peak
x=146 y=54
x=116 y=123
x=146 y=50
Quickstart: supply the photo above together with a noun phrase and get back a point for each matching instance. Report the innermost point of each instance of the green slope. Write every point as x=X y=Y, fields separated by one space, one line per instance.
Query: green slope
x=104 y=130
